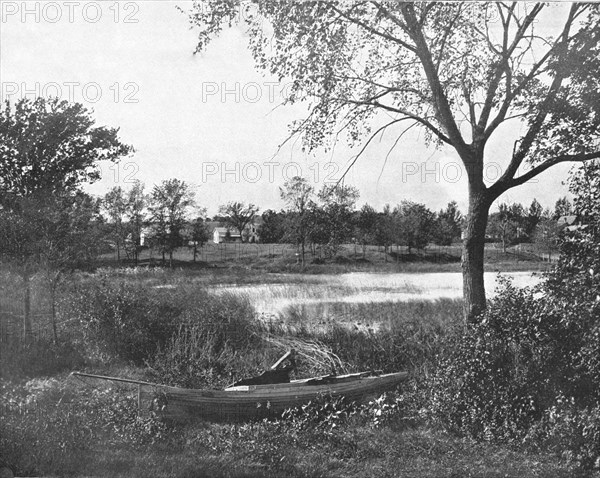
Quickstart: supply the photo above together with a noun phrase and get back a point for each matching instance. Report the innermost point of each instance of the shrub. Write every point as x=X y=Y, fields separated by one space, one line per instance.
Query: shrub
x=124 y=320
x=218 y=339
x=502 y=376
x=169 y=327
x=324 y=413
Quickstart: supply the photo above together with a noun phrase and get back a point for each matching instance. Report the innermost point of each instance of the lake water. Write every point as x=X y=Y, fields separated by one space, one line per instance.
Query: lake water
x=361 y=287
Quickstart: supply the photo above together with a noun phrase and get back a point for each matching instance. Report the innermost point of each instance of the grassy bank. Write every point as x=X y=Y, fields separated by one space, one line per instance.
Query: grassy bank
x=68 y=431
x=169 y=327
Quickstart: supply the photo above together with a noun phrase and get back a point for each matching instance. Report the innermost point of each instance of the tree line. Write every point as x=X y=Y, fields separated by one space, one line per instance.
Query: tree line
x=329 y=218
x=170 y=218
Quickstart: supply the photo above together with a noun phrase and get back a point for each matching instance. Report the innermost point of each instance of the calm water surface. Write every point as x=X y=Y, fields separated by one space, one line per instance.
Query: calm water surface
x=363 y=287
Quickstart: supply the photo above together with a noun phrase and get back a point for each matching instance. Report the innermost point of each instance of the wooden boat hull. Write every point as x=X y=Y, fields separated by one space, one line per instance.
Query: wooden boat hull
x=261 y=401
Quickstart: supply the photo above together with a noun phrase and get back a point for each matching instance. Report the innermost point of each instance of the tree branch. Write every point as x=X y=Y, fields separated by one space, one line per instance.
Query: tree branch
x=440 y=100
x=503 y=68
x=537 y=123
x=417 y=118
x=372 y=30
x=362 y=150
x=540 y=168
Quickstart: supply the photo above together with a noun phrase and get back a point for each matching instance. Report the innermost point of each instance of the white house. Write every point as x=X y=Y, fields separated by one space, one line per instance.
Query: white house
x=225 y=234
x=229 y=234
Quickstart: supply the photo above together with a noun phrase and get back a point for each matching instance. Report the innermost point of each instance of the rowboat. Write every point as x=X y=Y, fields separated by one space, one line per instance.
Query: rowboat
x=262 y=401
x=254 y=399
x=247 y=402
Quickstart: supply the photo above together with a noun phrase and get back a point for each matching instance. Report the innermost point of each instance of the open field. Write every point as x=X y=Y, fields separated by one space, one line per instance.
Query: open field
x=285 y=258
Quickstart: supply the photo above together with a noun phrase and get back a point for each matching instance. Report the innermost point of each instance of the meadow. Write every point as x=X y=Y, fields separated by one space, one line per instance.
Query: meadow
x=205 y=327
x=351 y=257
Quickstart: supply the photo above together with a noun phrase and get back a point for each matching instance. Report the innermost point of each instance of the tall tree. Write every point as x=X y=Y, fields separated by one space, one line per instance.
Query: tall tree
x=197 y=233
x=297 y=194
x=69 y=239
x=273 y=227
x=504 y=225
x=459 y=70
x=448 y=225
x=135 y=213
x=386 y=230
x=48 y=150
x=338 y=204
x=238 y=215
x=366 y=227
x=415 y=224
x=113 y=204
x=51 y=146
x=534 y=216
x=169 y=207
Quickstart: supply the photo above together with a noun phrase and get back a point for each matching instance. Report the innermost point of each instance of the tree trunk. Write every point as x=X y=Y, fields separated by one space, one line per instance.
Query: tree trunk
x=303 y=254
x=473 y=254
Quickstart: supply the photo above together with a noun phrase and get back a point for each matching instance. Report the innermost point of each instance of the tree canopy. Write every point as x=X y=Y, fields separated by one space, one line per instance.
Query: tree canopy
x=52 y=146
x=238 y=215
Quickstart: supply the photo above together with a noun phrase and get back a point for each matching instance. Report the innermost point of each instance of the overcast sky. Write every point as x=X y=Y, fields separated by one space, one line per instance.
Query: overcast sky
x=210 y=119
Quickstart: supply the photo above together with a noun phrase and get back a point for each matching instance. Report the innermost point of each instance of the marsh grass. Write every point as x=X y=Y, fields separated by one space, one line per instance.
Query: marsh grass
x=388 y=336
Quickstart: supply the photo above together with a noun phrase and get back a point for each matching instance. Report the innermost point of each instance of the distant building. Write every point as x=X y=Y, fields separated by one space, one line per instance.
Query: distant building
x=228 y=234
x=225 y=234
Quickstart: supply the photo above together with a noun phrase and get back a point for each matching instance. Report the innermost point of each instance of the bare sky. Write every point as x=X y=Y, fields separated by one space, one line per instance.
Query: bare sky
x=210 y=119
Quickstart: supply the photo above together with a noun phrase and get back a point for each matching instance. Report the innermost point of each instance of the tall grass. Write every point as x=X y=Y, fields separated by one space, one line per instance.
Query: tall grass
x=388 y=336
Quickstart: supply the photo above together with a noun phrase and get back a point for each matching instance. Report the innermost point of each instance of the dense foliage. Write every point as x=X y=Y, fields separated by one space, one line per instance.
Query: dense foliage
x=529 y=371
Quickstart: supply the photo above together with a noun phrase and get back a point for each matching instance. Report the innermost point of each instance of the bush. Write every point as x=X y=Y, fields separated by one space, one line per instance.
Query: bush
x=530 y=367
x=325 y=413
x=123 y=320
x=182 y=331
x=217 y=340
